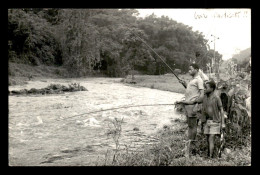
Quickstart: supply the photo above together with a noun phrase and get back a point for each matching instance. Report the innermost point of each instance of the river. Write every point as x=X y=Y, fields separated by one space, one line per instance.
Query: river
x=43 y=132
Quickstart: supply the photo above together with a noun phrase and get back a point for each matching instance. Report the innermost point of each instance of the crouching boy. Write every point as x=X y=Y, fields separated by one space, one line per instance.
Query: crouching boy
x=212 y=110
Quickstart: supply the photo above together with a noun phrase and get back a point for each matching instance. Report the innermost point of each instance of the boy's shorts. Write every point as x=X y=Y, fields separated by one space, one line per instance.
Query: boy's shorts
x=212 y=127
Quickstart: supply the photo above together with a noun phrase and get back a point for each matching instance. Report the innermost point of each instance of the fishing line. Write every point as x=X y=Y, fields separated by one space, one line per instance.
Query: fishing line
x=102 y=110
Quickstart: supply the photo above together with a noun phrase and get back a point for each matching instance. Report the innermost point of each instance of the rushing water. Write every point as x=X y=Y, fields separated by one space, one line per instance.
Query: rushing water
x=42 y=131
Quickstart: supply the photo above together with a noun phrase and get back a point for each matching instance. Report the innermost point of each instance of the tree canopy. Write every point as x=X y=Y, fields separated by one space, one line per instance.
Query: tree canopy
x=105 y=40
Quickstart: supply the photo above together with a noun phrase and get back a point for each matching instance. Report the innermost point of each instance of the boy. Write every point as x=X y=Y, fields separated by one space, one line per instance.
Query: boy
x=212 y=110
x=193 y=95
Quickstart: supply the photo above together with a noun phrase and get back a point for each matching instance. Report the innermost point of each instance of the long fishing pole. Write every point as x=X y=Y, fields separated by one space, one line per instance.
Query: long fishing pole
x=158 y=56
x=112 y=109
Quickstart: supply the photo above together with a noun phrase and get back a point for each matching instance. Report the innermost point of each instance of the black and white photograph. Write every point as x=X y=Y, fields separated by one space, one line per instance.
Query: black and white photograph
x=129 y=87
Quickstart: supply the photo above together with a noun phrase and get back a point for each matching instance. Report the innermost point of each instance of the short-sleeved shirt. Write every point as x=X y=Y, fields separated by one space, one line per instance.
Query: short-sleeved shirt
x=192 y=92
x=211 y=107
x=193 y=88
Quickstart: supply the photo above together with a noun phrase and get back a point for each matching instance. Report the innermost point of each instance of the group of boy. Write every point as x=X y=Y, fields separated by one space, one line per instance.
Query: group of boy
x=201 y=103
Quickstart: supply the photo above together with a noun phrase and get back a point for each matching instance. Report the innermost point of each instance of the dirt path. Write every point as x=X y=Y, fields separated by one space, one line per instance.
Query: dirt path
x=40 y=134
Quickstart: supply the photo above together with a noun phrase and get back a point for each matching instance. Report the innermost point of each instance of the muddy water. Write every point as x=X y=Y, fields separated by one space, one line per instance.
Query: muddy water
x=42 y=131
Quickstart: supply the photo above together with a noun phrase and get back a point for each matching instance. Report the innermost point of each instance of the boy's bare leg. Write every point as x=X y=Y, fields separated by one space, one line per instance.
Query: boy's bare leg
x=208 y=143
x=211 y=138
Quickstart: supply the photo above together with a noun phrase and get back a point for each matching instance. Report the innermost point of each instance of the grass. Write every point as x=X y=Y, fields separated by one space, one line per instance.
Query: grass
x=162 y=82
x=167 y=82
x=20 y=74
x=169 y=151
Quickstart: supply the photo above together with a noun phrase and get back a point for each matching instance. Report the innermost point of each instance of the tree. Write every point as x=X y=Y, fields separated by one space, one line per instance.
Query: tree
x=134 y=52
x=79 y=41
x=88 y=40
x=176 y=42
x=31 y=39
x=215 y=63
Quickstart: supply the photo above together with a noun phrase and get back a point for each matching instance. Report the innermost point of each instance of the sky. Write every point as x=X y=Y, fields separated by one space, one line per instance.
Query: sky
x=231 y=26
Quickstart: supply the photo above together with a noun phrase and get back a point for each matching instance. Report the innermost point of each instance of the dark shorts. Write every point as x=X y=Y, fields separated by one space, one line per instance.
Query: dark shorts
x=192 y=115
x=189 y=111
x=192 y=111
x=192 y=122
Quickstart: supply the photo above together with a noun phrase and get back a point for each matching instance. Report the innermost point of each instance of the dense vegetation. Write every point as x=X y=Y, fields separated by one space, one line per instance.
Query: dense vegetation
x=85 y=41
x=240 y=60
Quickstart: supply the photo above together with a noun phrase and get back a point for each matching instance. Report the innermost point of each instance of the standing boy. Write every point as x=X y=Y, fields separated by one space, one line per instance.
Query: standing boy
x=212 y=110
x=193 y=95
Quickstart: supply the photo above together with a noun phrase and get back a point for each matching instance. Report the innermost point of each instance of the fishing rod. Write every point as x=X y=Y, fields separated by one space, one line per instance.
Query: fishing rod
x=159 y=57
x=112 y=109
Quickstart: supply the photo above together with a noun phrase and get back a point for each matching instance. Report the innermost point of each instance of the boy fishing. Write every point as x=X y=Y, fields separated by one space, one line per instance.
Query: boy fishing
x=193 y=95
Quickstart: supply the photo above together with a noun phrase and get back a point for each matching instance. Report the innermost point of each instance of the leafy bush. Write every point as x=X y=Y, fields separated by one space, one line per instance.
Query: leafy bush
x=31 y=39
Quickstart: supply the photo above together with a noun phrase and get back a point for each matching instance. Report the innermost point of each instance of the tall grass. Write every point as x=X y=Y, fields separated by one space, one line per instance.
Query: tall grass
x=168 y=151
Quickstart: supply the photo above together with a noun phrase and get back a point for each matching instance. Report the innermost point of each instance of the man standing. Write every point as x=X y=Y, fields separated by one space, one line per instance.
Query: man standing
x=193 y=96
